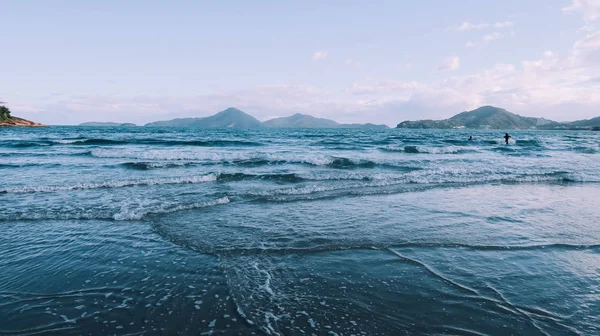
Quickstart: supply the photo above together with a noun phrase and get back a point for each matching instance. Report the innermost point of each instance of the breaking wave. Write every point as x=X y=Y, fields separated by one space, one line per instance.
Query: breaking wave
x=112 y=184
x=137 y=214
x=111 y=142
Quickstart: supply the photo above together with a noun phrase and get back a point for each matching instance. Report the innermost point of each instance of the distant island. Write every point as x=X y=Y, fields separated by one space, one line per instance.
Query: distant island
x=235 y=118
x=490 y=117
x=107 y=124
x=6 y=120
x=305 y=121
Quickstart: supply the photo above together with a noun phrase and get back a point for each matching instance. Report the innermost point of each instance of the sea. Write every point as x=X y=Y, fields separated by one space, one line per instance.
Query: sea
x=174 y=231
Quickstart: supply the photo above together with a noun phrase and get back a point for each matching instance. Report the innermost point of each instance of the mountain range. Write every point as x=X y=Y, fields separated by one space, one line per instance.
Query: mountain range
x=235 y=118
x=490 y=117
x=485 y=117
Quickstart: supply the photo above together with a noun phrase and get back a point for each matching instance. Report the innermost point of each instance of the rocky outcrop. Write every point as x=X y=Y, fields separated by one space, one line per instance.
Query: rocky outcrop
x=18 y=122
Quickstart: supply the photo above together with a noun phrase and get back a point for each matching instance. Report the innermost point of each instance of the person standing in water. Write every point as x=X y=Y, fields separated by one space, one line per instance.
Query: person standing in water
x=471 y=138
x=506 y=137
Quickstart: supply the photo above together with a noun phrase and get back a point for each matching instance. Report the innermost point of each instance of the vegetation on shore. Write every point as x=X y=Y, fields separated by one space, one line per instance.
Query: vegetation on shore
x=7 y=120
x=4 y=113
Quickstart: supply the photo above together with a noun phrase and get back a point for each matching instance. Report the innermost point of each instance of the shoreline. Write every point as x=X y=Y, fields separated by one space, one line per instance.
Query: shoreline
x=19 y=122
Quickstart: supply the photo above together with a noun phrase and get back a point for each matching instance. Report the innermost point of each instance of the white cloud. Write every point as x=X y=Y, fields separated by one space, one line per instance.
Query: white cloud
x=385 y=86
x=472 y=26
x=319 y=55
x=587 y=28
x=590 y=41
x=469 y=44
x=449 y=64
x=503 y=24
x=554 y=86
x=492 y=37
x=352 y=63
x=589 y=8
x=466 y=26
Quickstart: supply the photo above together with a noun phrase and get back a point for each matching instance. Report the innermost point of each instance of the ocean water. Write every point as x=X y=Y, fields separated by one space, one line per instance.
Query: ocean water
x=148 y=231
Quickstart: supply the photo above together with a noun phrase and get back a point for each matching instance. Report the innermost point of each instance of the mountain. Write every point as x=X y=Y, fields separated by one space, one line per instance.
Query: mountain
x=305 y=121
x=107 y=124
x=486 y=117
x=229 y=118
x=235 y=118
x=365 y=126
x=593 y=123
x=300 y=121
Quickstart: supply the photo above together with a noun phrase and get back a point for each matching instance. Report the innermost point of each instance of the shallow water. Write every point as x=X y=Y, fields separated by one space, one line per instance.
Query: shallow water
x=293 y=232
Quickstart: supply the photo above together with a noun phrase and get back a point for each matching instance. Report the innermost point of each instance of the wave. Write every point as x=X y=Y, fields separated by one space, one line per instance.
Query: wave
x=411 y=149
x=154 y=165
x=429 y=150
x=332 y=246
x=528 y=143
x=456 y=142
x=255 y=162
x=504 y=149
x=345 y=163
x=111 y=142
x=585 y=150
x=198 y=143
x=126 y=213
x=406 y=183
x=26 y=165
x=136 y=214
x=95 y=142
x=290 y=178
x=26 y=144
x=169 y=159
x=111 y=184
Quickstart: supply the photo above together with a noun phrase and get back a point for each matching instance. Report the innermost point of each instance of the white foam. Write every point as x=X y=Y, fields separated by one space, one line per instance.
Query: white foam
x=114 y=184
x=137 y=214
x=66 y=142
x=267 y=285
x=316 y=159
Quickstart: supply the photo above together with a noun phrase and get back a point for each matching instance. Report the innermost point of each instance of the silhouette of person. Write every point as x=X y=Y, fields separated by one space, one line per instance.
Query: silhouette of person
x=471 y=138
x=506 y=137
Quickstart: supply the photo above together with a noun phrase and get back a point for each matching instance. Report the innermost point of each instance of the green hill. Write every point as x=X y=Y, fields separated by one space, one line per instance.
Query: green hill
x=364 y=126
x=485 y=117
x=229 y=118
x=587 y=123
x=300 y=121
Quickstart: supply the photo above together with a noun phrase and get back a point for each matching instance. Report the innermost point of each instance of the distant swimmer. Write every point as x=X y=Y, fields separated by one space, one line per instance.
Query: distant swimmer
x=506 y=137
x=471 y=138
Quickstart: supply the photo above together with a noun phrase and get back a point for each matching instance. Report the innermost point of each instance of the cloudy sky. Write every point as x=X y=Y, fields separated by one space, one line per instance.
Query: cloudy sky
x=353 y=61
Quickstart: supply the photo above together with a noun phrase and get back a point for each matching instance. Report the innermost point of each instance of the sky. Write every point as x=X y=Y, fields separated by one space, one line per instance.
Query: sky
x=67 y=62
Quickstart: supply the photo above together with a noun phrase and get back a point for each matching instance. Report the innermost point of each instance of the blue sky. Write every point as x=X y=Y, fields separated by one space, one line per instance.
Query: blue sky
x=352 y=61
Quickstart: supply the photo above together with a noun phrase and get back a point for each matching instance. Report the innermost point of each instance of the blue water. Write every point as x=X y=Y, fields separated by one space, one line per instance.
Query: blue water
x=143 y=231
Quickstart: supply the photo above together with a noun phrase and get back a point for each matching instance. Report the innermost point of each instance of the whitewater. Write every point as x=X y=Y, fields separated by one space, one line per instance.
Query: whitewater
x=157 y=230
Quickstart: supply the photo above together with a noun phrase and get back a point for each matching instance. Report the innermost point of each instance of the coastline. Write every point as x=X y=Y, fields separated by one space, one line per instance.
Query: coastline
x=19 y=122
